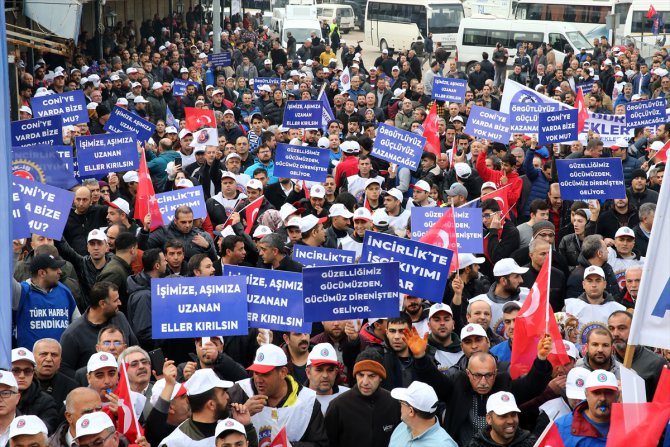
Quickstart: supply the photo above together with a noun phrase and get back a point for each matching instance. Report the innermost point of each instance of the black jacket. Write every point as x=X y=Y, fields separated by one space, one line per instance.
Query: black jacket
x=36 y=402
x=457 y=393
x=58 y=387
x=608 y=222
x=522 y=438
x=497 y=248
x=356 y=420
x=648 y=366
x=87 y=273
x=79 y=225
x=399 y=373
x=139 y=308
x=574 y=286
x=287 y=264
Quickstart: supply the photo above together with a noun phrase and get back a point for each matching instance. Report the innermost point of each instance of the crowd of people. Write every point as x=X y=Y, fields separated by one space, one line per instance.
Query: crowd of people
x=435 y=374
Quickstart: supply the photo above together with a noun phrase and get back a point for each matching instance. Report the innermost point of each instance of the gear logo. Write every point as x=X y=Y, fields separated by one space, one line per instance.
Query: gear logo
x=28 y=170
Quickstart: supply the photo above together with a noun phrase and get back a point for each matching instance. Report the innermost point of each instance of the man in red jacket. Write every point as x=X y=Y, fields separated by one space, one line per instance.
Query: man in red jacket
x=501 y=178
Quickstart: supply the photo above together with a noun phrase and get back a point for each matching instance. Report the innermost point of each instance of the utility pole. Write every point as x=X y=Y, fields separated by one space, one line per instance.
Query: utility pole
x=216 y=24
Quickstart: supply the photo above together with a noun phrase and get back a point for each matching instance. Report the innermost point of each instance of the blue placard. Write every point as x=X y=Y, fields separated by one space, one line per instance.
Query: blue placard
x=274 y=298
x=220 y=59
x=398 y=146
x=42 y=163
x=70 y=106
x=46 y=208
x=301 y=162
x=423 y=268
x=122 y=120
x=303 y=114
x=179 y=86
x=586 y=86
x=20 y=228
x=347 y=292
x=320 y=257
x=259 y=82
x=557 y=127
x=645 y=113
x=524 y=116
x=591 y=178
x=66 y=154
x=46 y=130
x=169 y=201
x=449 y=89
x=488 y=124
x=104 y=153
x=468 y=226
x=205 y=306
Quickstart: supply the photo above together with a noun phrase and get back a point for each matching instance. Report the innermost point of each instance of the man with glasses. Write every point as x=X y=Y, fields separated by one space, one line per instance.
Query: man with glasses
x=78 y=402
x=97 y=430
x=9 y=399
x=138 y=366
x=33 y=400
x=323 y=371
x=465 y=393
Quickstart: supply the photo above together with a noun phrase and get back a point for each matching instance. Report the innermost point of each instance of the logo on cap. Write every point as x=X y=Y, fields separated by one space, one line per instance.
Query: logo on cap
x=203 y=137
x=229 y=423
x=21 y=352
x=103 y=357
x=470 y=329
x=567 y=346
x=84 y=423
x=602 y=378
x=20 y=423
x=260 y=357
x=504 y=398
x=580 y=382
x=324 y=352
x=0 y=375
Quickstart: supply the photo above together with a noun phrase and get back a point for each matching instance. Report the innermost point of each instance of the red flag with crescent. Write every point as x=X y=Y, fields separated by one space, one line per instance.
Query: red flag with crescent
x=443 y=234
x=197 y=118
x=251 y=212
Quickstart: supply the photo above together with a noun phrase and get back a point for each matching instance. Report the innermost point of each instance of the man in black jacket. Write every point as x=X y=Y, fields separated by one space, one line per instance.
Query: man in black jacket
x=273 y=252
x=87 y=267
x=465 y=393
x=139 y=295
x=83 y=218
x=33 y=400
x=502 y=424
x=47 y=353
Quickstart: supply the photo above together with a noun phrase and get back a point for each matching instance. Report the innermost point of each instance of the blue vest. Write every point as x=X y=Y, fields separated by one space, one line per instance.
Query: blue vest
x=42 y=315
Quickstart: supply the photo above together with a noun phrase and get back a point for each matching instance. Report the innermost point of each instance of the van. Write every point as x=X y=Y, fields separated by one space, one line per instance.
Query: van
x=341 y=14
x=300 y=21
x=480 y=33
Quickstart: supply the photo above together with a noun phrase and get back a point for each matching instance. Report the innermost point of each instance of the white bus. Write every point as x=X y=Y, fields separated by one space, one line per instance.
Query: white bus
x=639 y=27
x=398 y=23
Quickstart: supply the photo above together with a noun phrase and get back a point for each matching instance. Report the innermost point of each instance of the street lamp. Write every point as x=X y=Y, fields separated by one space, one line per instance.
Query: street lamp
x=110 y=19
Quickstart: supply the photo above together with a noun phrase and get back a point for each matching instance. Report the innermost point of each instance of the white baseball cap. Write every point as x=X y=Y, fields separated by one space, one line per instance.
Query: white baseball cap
x=131 y=176
x=26 y=109
x=421 y=185
x=171 y=129
x=362 y=213
x=322 y=354
x=574 y=383
x=339 y=210
x=395 y=193
x=184 y=132
x=372 y=181
x=27 y=425
x=286 y=210
x=204 y=380
x=92 y=424
x=463 y=170
x=594 y=270
x=473 y=329
x=502 y=403
x=233 y=155
x=268 y=357
x=385 y=51
x=624 y=232
x=228 y=174
x=571 y=349
x=601 y=380
x=467 y=259
x=184 y=183
x=23 y=354
x=323 y=143
x=122 y=102
x=294 y=221
x=310 y=221
x=507 y=266
x=7 y=378
x=439 y=307
x=96 y=235
x=120 y=204
x=140 y=100
x=489 y=185
x=261 y=231
x=254 y=183
x=156 y=86
x=317 y=191
x=380 y=218
x=101 y=360
x=227 y=425
x=159 y=386
x=418 y=395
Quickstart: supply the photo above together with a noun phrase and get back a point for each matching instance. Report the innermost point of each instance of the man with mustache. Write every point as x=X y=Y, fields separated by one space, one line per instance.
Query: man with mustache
x=589 y=422
x=297 y=349
x=138 y=366
x=599 y=352
x=502 y=424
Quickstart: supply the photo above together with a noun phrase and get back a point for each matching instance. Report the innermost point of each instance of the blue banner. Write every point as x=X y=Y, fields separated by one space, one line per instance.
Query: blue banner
x=301 y=162
x=346 y=292
x=591 y=178
x=558 y=127
x=488 y=124
x=70 y=106
x=46 y=208
x=449 y=89
x=303 y=114
x=105 y=153
x=122 y=120
x=646 y=113
x=179 y=86
x=423 y=267
x=320 y=257
x=205 y=306
x=42 y=163
x=398 y=146
x=524 y=116
x=220 y=59
x=274 y=298
x=37 y=131
x=20 y=228
x=468 y=226
x=170 y=120
x=586 y=86
x=327 y=112
x=169 y=201
x=259 y=82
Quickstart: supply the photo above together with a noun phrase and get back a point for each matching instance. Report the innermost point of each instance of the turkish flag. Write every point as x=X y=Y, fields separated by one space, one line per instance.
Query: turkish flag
x=145 y=201
x=583 y=111
x=662 y=154
x=550 y=437
x=126 y=419
x=430 y=131
x=531 y=325
x=500 y=195
x=639 y=425
x=251 y=211
x=197 y=118
x=280 y=440
x=443 y=234
x=651 y=12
